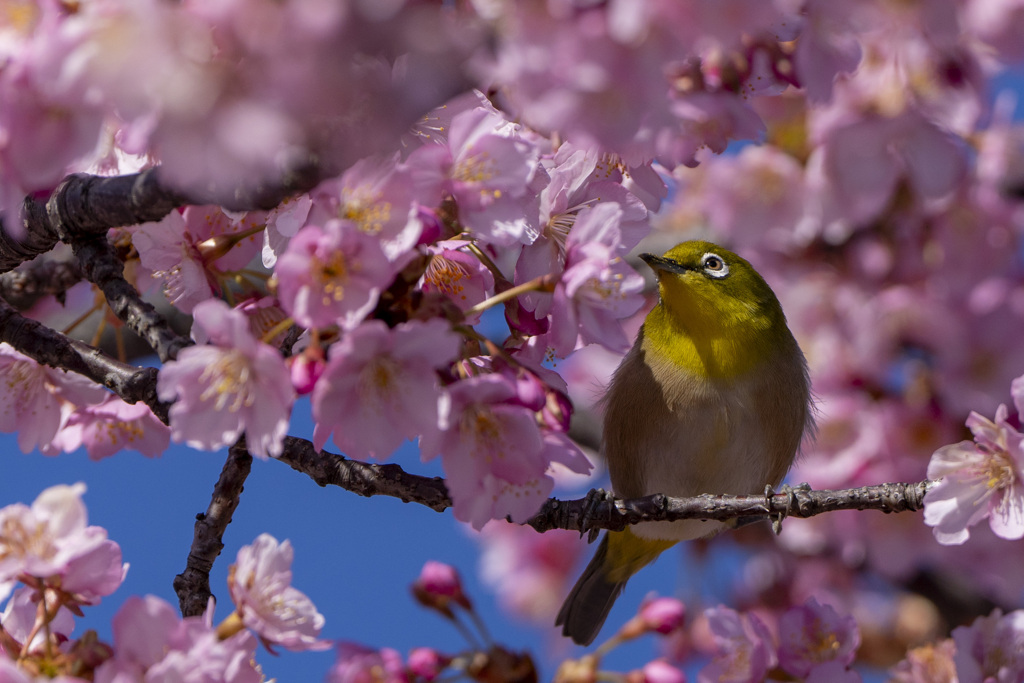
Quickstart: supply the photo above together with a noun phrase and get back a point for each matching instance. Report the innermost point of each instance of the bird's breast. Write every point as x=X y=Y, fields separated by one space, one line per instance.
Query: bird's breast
x=673 y=431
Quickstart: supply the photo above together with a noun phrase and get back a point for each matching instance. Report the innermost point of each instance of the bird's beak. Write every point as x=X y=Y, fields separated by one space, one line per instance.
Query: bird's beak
x=664 y=264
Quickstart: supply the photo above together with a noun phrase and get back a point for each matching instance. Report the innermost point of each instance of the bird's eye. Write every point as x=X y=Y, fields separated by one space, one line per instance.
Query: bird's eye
x=714 y=265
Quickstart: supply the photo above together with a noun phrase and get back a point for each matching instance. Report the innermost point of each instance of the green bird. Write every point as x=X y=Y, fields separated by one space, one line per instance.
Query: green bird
x=714 y=397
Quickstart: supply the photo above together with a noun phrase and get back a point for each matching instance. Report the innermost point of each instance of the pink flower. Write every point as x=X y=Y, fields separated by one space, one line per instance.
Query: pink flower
x=190 y=251
x=989 y=649
x=20 y=616
x=360 y=664
x=235 y=384
x=438 y=585
x=427 y=663
x=151 y=643
x=931 y=663
x=530 y=572
x=486 y=165
x=662 y=615
x=743 y=644
x=659 y=671
x=597 y=288
x=493 y=452
x=813 y=634
x=332 y=275
x=113 y=426
x=260 y=586
x=50 y=540
x=980 y=479
x=37 y=399
x=457 y=274
x=375 y=374
x=378 y=197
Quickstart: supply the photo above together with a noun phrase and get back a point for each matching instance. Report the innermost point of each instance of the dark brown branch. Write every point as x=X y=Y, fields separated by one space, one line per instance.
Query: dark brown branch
x=102 y=266
x=800 y=502
x=365 y=479
x=23 y=287
x=193 y=585
x=585 y=514
x=51 y=348
x=91 y=205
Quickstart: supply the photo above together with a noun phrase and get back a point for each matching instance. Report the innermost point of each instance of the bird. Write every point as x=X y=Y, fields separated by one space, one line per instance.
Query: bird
x=713 y=397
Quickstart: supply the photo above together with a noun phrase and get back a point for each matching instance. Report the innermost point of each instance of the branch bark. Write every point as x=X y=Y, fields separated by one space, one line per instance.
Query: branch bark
x=193 y=585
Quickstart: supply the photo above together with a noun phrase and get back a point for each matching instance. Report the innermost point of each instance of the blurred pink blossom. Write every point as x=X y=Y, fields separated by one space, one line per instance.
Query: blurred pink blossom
x=260 y=586
x=438 y=585
x=20 y=615
x=357 y=663
x=743 y=644
x=812 y=635
x=989 y=649
x=530 y=572
x=232 y=385
x=658 y=671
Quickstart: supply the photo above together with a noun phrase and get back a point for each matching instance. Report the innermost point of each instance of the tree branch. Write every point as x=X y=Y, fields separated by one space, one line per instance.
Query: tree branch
x=24 y=286
x=91 y=205
x=193 y=585
x=614 y=514
x=46 y=346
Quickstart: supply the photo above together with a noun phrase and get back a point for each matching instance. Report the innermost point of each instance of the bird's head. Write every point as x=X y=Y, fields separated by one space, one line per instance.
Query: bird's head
x=704 y=286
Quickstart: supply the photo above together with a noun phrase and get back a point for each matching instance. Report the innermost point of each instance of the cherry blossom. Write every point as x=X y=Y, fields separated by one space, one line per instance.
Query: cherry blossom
x=233 y=385
x=260 y=586
x=979 y=479
x=38 y=400
x=112 y=426
x=152 y=643
x=744 y=649
x=989 y=649
x=50 y=541
x=597 y=288
x=812 y=635
x=374 y=374
x=332 y=275
x=358 y=663
x=191 y=251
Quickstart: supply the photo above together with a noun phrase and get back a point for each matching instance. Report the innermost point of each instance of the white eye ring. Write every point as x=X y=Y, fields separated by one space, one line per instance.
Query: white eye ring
x=714 y=265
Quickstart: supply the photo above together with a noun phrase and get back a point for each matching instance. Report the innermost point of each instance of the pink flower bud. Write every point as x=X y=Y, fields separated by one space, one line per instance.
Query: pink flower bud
x=438 y=585
x=660 y=671
x=305 y=369
x=663 y=615
x=426 y=663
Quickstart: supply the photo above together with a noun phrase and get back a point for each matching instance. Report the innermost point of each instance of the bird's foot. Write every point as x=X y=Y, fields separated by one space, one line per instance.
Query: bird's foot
x=790 y=493
x=593 y=501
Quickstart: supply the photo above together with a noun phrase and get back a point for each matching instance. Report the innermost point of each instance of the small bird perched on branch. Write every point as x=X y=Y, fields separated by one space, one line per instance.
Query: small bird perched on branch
x=714 y=397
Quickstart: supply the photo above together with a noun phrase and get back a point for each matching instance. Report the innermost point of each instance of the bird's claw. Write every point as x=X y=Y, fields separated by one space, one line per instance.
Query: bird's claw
x=592 y=501
x=791 y=502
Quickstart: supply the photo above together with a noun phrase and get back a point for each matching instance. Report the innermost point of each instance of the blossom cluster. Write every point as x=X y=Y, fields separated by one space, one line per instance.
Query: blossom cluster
x=480 y=158
x=62 y=564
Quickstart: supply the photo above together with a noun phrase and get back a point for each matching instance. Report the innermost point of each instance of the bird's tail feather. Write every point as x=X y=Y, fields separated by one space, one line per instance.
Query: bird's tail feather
x=585 y=610
x=620 y=555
